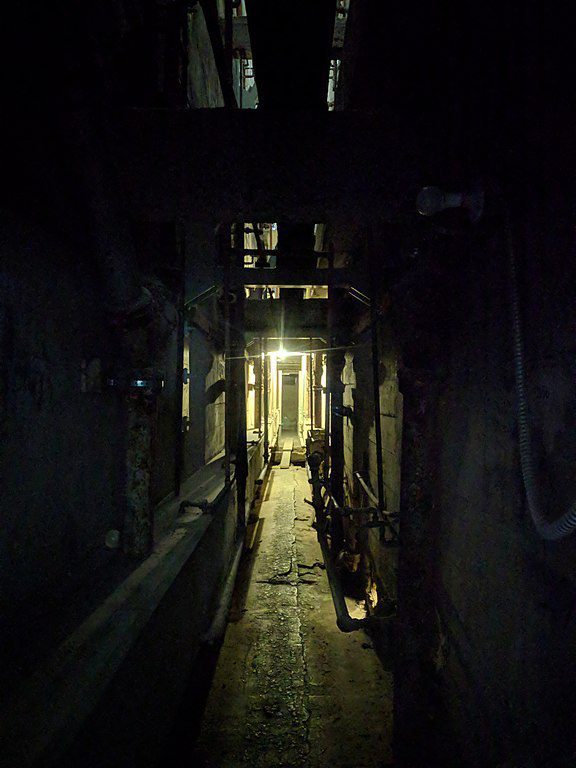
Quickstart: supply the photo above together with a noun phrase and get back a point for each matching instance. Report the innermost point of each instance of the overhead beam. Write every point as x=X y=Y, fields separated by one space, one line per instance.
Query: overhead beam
x=245 y=165
x=291 y=278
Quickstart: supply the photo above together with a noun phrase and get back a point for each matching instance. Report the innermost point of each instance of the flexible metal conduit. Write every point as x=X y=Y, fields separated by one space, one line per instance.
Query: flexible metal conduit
x=565 y=525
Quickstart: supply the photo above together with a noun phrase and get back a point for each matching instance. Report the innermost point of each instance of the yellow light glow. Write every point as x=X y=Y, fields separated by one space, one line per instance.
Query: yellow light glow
x=282 y=354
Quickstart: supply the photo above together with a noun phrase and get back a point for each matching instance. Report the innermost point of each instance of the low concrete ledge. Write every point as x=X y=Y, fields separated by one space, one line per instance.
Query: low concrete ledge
x=138 y=646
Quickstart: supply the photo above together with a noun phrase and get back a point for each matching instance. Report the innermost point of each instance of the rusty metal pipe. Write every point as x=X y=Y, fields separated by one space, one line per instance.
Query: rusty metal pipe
x=344 y=621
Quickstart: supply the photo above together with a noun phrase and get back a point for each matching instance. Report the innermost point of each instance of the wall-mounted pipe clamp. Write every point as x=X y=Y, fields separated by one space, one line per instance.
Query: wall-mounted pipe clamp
x=136 y=384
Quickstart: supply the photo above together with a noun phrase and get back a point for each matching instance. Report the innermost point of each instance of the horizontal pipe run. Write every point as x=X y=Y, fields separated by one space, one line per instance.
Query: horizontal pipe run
x=262 y=475
x=344 y=621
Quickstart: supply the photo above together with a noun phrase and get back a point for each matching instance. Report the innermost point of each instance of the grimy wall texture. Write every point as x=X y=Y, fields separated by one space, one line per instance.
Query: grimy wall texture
x=62 y=451
x=486 y=607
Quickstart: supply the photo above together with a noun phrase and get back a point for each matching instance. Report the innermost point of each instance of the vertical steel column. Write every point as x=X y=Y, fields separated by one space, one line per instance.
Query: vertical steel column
x=318 y=390
x=374 y=319
x=258 y=373
x=327 y=419
x=179 y=446
x=266 y=402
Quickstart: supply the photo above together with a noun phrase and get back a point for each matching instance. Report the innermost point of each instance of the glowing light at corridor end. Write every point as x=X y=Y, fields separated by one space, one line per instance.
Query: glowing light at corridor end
x=282 y=354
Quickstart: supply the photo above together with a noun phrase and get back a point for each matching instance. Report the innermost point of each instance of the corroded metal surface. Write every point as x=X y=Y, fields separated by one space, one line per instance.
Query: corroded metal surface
x=138 y=519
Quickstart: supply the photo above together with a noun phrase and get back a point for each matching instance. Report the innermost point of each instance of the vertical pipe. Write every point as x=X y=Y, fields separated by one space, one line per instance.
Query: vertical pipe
x=329 y=353
x=179 y=446
x=266 y=402
x=327 y=420
x=376 y=388
x=239 y=383
x=336 y=362
x=311 y=387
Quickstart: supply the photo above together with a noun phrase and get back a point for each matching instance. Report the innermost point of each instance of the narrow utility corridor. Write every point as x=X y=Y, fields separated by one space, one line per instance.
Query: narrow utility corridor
x=290 y=689
x=254 y=254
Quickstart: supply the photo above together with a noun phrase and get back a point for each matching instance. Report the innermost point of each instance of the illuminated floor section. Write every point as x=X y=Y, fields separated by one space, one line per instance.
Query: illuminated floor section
x=291 y=690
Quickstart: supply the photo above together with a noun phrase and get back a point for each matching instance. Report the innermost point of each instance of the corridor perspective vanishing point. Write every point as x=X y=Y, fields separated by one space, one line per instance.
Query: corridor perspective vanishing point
x=288 y=384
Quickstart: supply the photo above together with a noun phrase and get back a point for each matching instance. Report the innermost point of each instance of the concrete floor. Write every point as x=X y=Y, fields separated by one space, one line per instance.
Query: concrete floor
x=291 y=690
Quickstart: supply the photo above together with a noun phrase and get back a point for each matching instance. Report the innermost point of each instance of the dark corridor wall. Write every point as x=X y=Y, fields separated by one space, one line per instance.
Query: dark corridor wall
x=490 y=606
x=61 y=449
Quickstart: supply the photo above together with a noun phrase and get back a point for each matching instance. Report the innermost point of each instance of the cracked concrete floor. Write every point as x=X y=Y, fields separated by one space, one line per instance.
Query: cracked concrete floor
x=290 y=690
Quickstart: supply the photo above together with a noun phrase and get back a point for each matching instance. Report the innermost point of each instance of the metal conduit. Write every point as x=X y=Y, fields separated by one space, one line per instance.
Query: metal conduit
x=566 y=524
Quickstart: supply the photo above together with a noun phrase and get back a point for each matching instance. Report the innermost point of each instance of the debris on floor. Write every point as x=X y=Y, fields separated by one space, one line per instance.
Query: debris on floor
x=291 y=690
